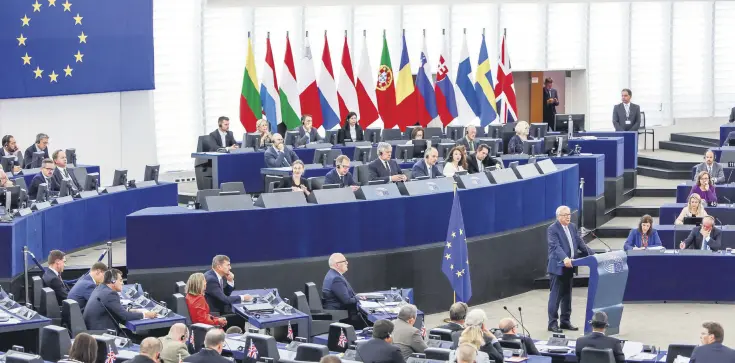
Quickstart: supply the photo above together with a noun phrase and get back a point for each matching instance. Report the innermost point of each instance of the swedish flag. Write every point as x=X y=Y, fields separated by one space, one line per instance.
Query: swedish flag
x=455 y=262
x=52 y=48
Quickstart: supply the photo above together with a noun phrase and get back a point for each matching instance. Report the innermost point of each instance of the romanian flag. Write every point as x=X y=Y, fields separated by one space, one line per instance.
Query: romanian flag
x=407 y=108
x=250 y=107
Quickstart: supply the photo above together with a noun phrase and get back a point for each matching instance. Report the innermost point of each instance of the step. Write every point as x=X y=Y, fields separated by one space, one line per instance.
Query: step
x=655 y=162
x=696 y=140
x=683 y=147
x=655 y=192
x=636 y=211
x=612 y=232
x=663 y=173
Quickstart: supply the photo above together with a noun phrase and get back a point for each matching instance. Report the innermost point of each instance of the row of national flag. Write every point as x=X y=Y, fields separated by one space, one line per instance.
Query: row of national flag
x=393 y=99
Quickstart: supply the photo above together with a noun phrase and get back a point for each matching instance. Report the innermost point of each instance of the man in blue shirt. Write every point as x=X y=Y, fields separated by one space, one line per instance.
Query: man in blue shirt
x=82 y=290
x=712 y=349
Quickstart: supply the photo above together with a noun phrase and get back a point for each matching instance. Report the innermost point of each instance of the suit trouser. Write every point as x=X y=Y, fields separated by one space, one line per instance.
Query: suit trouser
x=561 y=294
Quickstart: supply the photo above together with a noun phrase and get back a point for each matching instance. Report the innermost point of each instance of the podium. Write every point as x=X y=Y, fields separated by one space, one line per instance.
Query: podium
x=608 y=277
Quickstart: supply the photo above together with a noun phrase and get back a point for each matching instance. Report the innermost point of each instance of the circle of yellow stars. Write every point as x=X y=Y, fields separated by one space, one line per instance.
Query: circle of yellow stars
x=26 y=22
x=448 y=256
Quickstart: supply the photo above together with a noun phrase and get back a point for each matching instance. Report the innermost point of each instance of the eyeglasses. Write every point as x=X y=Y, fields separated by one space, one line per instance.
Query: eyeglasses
x=344 y=166
x=565 y=215
x=48 y=168
x=343 y=261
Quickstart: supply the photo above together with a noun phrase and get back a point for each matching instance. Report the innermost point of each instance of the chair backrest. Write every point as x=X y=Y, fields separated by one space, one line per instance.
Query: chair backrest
x=311 y=352
x=437 y=354
x=55 y=343
x=340 y=337
x=233 y=187
x=515 y=345
x=179 y=307
x=199 y=331
x=105 y=345
x=71 y=317
x=444 y=334
x=180 y=288
x=675 y=350
x=313 y=296
x=316 y=182
x=37 y=286
x=271 y=181
x=455 y=338
x=49 y=305
x=265 y=344
x=363 y=174
x=643 y=119
x=302 y=304
x=594 y=355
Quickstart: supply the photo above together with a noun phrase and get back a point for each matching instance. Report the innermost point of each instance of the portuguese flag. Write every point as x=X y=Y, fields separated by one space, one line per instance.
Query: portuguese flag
x=250 y=107
x=385 y=89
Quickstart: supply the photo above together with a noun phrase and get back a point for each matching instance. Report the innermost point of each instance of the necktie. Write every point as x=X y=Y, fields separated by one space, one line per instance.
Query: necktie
x=709 y=169
x=387 y=167
x=569 y=238
x=66 y=175
x=341 y=181
x=472 y=145
x=627 y=110
x=704 y=244
x=428 y=167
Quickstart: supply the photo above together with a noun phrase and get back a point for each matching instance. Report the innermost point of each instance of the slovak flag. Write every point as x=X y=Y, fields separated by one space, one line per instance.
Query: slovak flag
x=110 y=357
x=342 y=339
x=252 y=351
x=289 y=334
x=446 y=103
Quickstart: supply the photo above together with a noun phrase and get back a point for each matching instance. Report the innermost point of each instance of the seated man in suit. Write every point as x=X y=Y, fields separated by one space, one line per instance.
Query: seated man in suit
x=713 y=168
x=307 y=133
x=405 y=335
x=174 y=344
x=10 y=148
x=426 y=167
x=278 y=155
x=384 y=168
x=41 y=145
x=223 y=137
x=52 y=275
x=380 y=348
x=704 y=237
x=44 y=177
x=214 y=342
x=150 y=351
x=509 y=328
x=711 y=348
x=82 y=290
x=337 y=293
x=598 y=339
x=477 y=162
x=104 y=310
x=61 y=173
x=457 y=313
x=220 y=284
x=468 y=141
x=626 y=115
x=341 y=174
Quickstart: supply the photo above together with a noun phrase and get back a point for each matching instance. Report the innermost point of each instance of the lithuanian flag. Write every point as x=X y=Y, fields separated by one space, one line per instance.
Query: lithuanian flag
x=250 y=107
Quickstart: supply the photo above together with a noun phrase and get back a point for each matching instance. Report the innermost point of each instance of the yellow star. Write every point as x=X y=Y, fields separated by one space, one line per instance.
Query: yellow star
x=449 y=244
x=451 y=267
x=460 y=231
x=51 y=2
x=67 y=70
x=447 y=256
x=36 y=7
x=21 y=40
x=26 y=59
x=38 y=72
x=67 y=6
x=454 y=234
x=459 y=273
x=82 y=38
x=78 y=19
x=78 y=56
x=53 y=76
x=25 y=19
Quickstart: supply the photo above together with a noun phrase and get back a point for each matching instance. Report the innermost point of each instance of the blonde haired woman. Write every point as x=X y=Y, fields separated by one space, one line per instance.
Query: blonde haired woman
x=476 y=334
x=197 y=304
x=265 y=135
x=515 y=145
x=694 y=208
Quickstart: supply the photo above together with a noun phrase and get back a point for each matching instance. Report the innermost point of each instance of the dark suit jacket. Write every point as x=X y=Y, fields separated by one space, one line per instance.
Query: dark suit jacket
x=28 y=156
x=55 y=283
x=550 y=108
x=528 y=344
x=732 y=115
x=619 y=117
x=288 y=183
x=466 y=143
x=379 y=351
x=493 y=350
x=451 y=326
x=377 y=171
x=275 y=159
x=694 y=239
x=473 y=165
x=600 y=341
x=229 y=138
x=337 y=292
x=207 y=356
x=344 y=133
x=715 y=352
x=97 y=318
x=58 y=178
x=333 y=178
x=141 y=359
x=422 y=169
x=559 y=247
x=38 y=180
x=313 y=136
x=218 y=296
x=82 y=290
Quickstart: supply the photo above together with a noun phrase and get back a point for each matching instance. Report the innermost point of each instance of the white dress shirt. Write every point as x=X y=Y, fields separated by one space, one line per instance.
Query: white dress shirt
x=223 y=137
x=353 y=133
x=450 y=169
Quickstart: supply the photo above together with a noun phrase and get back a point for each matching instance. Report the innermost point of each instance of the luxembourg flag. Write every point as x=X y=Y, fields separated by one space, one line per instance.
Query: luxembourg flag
x=446 y=103
x=328 y=90
x=467 y=106
x=346 y=92
x=269 y=96
x=426 y=99
x=365 y=85
x=308 y=91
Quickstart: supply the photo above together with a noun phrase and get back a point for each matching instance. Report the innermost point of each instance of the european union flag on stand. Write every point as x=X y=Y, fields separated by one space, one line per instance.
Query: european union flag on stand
x=455 y=262
x=64 y=47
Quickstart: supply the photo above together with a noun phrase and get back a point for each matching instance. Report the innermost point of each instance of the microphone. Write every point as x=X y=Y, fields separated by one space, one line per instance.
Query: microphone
x=727 y=181
x=514 y=317
x=603 y=242
x=117 y=324
x=727 y=199
x=521 y=314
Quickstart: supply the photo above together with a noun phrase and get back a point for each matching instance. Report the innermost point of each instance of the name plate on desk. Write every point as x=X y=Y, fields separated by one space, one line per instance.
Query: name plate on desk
x=329 y=196
x=427 y=186
x=24 y=212
x=318 y=145
x=62 y=200
x=88 y=193
x=41 y=206
x=472 y=181
x=115 y=189
x=145 y=184
x=376 y=192
x=358 y=143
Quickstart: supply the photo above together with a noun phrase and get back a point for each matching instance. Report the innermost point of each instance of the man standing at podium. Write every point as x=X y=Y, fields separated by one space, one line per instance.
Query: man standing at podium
x=564 y=246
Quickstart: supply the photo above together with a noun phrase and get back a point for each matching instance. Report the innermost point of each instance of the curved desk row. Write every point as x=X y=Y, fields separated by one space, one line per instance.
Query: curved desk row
x=724 y=213
x=724 y=192
x=28 y=177
x=671 y=235
x=76 y=224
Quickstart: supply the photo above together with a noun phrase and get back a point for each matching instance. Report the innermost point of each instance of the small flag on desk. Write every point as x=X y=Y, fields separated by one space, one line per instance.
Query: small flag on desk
x=455 y=262
x=289 y=334
x=423 y=329
x=252 y=351
x=110 y=357
x=342 y=339
x=191 y=338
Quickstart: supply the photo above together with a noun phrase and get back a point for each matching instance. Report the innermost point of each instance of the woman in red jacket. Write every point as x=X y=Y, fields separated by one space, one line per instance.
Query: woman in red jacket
x=198 y=307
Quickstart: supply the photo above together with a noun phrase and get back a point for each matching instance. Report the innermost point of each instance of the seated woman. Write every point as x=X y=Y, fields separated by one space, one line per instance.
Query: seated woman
x=705 y=189
x=418 y=134
x=197 y=304
x=477 y=334
x=644 y=236
x=351 y=130
x=456 y=162
x=694 y=208
x=296 y=182
x=515 y=145
x=263 y=127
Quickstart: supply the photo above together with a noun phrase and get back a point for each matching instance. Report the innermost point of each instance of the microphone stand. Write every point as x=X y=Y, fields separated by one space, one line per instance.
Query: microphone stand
x=523 y=326
x=117 y=324
x=519 y=321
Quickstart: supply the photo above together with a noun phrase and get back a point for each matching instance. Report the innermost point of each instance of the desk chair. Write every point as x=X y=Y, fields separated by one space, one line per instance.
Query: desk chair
x=643 y=130
x=180 y=288
x=233 y=187
x=316 y=182
x=49 y=306
x=310 y=352
x=271 y=181
x=37 y=284
x=514 y=345
x=335 y=331
x=362 y=174
x=55 y=343
x=321 y=318
x=594 y=355
x=71 y=317
x=443 y=334
x=437 y=354
x=179 y=307
x=683 y=350
x=265 y=344
x=199 y=331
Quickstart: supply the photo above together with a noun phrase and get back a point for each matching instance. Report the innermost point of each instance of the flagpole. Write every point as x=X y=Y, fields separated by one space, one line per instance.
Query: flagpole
x=454 y=185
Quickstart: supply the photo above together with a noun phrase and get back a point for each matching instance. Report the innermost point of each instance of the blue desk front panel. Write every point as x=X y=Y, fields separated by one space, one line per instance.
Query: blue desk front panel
x=725 y=130
x=725 y=214
x=259 y=234
x=611 y=147
x=672 y=235
x=718 y=152
x=28 y=178
x=725 y=192
x=630 y=144
x=591 y=168
x=76 y=224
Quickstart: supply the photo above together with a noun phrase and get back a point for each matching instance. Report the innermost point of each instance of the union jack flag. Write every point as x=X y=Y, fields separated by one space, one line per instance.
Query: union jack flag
x=252 y=351
x=342 y=339
x=110 y=357
x=191 y=338
x=423 y=329
x=289 y=335
x=505 y=92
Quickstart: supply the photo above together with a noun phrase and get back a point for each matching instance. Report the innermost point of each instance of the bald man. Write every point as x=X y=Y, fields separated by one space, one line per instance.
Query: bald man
x=174 y=344
x=150 y=351
x=336 y=291
x=509 y=327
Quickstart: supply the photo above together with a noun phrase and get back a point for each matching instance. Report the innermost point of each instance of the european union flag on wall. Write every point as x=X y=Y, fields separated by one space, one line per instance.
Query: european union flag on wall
x=64 y=47
x=455 y=262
